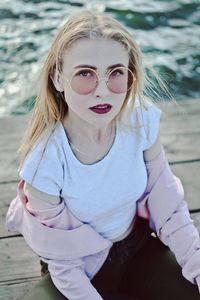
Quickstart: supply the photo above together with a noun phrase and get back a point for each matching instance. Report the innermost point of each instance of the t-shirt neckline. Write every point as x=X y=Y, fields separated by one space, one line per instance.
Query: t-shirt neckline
x=77 y=161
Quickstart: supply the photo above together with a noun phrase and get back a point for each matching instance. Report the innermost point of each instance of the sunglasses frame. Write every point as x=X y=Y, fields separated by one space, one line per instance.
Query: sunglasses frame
x=99 y=78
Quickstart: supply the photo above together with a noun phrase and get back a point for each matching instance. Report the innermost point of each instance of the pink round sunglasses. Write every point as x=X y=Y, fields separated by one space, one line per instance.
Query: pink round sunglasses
x=85 y=80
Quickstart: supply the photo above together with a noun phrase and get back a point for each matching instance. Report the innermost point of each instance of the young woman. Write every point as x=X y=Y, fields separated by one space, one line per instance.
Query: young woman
x=95 y=182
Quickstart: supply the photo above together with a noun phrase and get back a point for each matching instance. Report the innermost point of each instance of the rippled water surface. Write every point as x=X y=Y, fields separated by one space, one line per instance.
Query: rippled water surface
x=167 y=31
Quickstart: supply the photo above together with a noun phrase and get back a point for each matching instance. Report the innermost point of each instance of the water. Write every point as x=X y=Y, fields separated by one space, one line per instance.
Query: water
x=167 y=31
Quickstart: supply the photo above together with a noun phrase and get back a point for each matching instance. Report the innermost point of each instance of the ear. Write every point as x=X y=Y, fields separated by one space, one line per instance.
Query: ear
x=57 y=82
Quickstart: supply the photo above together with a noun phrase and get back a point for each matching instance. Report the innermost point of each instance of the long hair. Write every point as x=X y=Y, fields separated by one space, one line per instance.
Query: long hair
x=50 y=106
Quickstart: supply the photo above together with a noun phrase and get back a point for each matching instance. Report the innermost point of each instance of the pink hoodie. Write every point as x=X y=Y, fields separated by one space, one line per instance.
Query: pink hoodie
x=57 y=236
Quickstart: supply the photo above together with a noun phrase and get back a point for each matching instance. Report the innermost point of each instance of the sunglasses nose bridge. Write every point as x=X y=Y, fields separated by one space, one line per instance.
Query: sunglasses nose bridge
x=103 y=79
x=102 y=84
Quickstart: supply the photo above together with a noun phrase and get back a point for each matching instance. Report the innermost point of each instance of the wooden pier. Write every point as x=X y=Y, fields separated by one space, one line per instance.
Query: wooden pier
x=180 y=135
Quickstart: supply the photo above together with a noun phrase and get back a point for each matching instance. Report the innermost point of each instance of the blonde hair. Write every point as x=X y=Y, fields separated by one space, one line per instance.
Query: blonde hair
x=50 y=107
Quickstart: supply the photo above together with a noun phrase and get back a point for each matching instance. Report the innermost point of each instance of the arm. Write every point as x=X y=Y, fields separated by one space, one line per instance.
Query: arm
x=68 y=275
x=168 y=212
x=153 y=151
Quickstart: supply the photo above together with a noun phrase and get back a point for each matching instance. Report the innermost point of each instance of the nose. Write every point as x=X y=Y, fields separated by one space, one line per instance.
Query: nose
x=101 y=89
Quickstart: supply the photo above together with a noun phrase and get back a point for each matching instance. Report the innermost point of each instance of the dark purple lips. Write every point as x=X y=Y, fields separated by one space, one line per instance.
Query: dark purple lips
x=101 y=108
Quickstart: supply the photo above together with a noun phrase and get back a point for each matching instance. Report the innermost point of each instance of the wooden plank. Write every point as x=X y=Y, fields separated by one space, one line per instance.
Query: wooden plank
x=190 y=178
x=182 y=146
x=180 y=130
x=16 y=291
x=7 y=192
x=17 y=261
x=176 y=117
x=11 y=131
x=20 y=268
x=13 y=128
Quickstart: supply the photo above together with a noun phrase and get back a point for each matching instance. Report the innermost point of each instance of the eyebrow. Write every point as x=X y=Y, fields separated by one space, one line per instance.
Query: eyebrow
x=95 y=68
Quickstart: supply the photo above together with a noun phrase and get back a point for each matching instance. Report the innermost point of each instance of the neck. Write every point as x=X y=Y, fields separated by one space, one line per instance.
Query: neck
x=77 y=133
x=90 y=146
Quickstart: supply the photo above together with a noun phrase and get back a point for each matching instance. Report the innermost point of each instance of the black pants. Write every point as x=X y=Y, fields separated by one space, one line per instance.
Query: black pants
x=139 y=267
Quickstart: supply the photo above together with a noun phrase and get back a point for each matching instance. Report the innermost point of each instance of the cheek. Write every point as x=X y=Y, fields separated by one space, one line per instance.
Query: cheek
x=74 y=100
x=119 y=99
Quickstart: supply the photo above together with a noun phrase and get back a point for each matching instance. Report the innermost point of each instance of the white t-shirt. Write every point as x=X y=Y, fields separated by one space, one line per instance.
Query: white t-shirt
x=102 y=194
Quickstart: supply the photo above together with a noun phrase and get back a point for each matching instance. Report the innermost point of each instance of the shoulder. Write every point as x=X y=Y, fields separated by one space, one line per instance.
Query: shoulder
x=43 y=165
x=147 y=112
x=153 y=146
x=145 y=119
x=149 y=115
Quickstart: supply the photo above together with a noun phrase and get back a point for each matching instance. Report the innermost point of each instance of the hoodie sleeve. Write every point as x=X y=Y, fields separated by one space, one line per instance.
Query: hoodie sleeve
x=163 y=203
x=71 y=280
x=68 y=274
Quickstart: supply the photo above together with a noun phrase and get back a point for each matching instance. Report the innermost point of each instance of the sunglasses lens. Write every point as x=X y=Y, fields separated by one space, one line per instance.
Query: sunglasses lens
x=120 y=80
x=84 y=81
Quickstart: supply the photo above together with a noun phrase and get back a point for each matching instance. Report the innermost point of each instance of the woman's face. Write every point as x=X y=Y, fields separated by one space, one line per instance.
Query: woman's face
x=100 y=55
